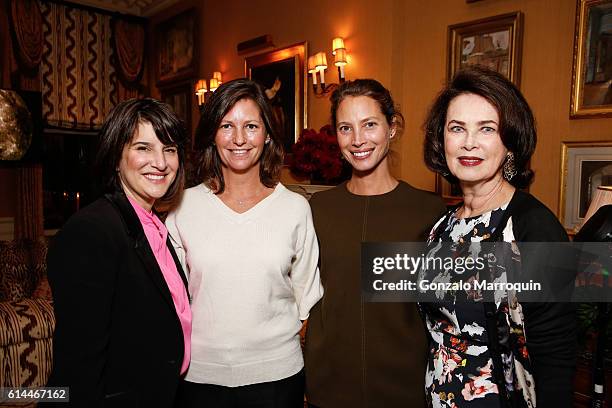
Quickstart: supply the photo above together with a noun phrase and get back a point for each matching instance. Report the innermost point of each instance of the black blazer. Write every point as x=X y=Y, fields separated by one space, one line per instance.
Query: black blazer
x=118 y=340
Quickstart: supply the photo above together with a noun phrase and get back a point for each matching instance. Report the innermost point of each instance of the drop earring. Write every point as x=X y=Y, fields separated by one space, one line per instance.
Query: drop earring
x=509 y=169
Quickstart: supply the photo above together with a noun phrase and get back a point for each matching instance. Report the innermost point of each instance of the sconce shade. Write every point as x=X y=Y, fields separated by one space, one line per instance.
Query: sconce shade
x=321 y=61
x=200 y=91
x=337 y=43
x=340 y=58
x=200 y=87
x=214 y=84
x=217 y=76
x=312 y=64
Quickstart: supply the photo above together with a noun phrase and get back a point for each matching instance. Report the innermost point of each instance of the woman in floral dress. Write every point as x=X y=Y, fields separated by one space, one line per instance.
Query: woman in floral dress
x=480 y=133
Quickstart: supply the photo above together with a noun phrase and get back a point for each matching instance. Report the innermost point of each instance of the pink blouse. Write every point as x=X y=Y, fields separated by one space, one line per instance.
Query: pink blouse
x=157 y=235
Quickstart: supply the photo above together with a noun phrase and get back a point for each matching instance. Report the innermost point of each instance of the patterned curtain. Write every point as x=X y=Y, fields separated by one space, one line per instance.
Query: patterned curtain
x=78 y=78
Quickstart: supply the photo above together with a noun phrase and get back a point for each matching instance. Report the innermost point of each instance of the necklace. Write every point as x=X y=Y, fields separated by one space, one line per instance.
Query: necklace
x=248 y=199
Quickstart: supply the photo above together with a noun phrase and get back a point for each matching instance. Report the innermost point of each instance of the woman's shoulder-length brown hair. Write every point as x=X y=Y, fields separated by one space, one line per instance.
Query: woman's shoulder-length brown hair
x=517 y=126
x=215 y=109
x=118 y=131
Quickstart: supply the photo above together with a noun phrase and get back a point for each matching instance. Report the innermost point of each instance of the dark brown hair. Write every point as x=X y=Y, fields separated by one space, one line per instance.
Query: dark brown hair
x=119 y=129
x=517 y=127
x=215 y=109
x=373 y=89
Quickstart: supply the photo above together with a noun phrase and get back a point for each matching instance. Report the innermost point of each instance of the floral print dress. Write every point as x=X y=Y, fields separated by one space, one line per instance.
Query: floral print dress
x=460 y=363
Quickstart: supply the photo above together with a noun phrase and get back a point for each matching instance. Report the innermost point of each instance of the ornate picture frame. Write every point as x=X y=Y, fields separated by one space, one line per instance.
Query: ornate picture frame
x=494 y=42
x=584 y=167
x=282 y=72
x=177 y=47
x=592 y=69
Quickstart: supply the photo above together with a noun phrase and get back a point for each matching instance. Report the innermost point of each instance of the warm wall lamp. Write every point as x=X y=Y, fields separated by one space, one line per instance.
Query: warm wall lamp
x=339 y=53
x=318 y=64
x=215 y=81
x=201 y=89
x=214 y=84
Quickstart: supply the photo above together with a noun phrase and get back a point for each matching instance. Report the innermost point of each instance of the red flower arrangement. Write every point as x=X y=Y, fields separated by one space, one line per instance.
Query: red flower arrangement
x=317 y=155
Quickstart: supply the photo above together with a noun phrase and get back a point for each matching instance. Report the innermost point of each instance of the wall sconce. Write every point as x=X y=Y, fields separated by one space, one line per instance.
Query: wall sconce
x=318 y=64
x=200 y=91
x=214 y=84
x=339 y=53
x=312 y=69
x=215 y=81
x=321 y=66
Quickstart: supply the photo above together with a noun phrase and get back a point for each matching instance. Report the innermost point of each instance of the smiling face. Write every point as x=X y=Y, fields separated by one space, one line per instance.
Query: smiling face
x=147 y=167
x=363 y=133
x=241 y=137
x=473 y=147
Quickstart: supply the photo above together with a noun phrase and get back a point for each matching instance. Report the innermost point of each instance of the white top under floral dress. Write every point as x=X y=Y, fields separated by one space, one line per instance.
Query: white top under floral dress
x=460 y=364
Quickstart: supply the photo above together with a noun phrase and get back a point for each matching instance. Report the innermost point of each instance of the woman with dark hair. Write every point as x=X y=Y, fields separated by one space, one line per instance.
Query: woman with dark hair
x=361 y=354
x=251 y=252
x=123 y=328
x=480 y=133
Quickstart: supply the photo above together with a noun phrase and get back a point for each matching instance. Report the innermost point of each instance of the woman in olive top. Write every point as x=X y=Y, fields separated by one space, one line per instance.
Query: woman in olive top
x=365 y=354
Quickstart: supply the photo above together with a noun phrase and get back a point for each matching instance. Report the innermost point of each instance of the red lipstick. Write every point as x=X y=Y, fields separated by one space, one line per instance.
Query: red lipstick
x=470 y=161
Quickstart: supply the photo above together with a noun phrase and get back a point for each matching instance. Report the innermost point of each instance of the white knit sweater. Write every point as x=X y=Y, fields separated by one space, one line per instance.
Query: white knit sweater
x=252 y=278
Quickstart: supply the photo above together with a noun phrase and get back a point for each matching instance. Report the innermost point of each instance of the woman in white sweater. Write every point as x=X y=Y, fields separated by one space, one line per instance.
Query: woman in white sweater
x=251 y=251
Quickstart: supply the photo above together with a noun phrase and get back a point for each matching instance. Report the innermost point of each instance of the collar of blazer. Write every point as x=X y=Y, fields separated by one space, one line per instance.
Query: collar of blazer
x=142 y=247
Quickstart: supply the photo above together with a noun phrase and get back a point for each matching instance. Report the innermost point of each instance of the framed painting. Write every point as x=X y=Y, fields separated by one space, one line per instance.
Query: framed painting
x=592 y=72
x=177 y=50
x=493 y=42
x=283 y=74
x=584 y=167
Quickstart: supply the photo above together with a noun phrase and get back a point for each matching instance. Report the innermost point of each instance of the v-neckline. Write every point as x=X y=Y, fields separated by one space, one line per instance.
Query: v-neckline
x=251 y=211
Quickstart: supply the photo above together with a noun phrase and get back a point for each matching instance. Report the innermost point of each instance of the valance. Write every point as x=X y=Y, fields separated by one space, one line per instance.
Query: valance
x=129 y=49
x=27 y=26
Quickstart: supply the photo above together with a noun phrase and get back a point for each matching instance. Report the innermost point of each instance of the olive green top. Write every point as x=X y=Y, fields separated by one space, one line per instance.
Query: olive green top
x=365 y=354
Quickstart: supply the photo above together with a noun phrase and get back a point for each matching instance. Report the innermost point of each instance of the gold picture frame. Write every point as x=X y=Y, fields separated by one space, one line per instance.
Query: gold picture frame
x=274 y=69
x=584 y=167
x=494 y=42
x=177 y=48
x=592 y=68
